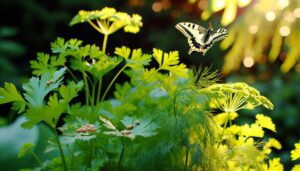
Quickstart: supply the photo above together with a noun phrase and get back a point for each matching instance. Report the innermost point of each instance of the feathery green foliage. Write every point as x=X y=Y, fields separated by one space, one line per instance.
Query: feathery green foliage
x=158 y=120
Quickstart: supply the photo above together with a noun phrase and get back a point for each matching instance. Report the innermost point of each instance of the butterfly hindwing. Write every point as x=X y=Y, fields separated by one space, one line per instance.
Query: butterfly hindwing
x=199 y=38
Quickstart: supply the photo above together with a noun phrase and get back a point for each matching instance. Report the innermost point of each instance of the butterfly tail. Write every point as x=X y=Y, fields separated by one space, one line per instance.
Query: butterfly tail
x=191 y=50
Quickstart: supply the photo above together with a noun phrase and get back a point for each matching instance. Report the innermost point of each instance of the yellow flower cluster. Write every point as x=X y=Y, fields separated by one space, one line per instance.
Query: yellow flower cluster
x=241 y=145
x=295 y=154
x=232 y=97
x=108 y=20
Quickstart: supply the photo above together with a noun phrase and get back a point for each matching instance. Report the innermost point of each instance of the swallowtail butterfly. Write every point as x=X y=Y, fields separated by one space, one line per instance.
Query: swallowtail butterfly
x=199 y=38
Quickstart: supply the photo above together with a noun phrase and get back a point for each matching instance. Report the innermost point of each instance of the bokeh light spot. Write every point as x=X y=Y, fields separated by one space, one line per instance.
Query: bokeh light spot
x=202 y=5
x=156 y=6
x=290 y=17
x=270 y=16
x=283 y=3
x=297 y=12
x=284 y=30
x=248 y=62
x=253 y=29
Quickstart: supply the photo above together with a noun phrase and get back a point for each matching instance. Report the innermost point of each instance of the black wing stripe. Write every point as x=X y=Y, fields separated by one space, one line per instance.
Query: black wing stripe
x=193 y=43
x=219 y=36
x=194 y=27
x=184 y=31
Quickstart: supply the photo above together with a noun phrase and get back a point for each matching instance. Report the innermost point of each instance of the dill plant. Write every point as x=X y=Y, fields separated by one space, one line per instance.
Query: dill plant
x=161 y=119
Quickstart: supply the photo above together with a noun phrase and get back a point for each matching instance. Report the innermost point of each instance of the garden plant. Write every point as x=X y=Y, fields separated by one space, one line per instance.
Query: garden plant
x=164 y=116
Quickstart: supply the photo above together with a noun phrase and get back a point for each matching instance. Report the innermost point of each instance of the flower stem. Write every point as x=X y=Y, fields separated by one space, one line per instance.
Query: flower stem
x=112 y=82
x=93 y=93
x=36 y=158
x=99 y=91
x=104 y=42
x=87 y=92
x=60 y=149
x=121 y=157
x=224 y=127
x=71 y=73
x=95 y=27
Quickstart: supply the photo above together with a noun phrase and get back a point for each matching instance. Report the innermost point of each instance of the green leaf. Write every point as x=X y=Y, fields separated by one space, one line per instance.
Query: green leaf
x=158 y=56
x=49 y=114
x=59 y=45
x=144 y=127
x=170 y=62
x=95 y=52
x=37 y=88
x=68 y=92
x=40 y=66
x=10 y=94
x=135 y=127
x=19 y=106
x=122 y=91
x=25 y=149
x=46 y=64
x=74 y=44
x=55 y=107
x=103 y=66
x=138 y=60
x=71 y=127
x=124 y=52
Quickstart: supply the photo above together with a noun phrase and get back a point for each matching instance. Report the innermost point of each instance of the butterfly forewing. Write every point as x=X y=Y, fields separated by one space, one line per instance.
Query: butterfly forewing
x=190 y=30
x=199 y=38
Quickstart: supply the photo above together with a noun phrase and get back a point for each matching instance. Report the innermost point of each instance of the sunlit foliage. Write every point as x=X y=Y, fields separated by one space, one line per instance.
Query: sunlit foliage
x=263 y=30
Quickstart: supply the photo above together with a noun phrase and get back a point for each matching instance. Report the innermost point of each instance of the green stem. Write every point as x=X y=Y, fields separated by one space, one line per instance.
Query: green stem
x=71 y=73
x=95 y=27
x=93 y=93
x=99 y=90
x=90 y=155
x=36 y=158
x=60 y=149
x=104 y=42
x=112 y=82
x=186 y=158
x=224 y=127
x=121 y=157
x=87 y=91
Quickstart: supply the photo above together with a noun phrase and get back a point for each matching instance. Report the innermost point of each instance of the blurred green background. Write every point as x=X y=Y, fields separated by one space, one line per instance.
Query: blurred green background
x=262 y=50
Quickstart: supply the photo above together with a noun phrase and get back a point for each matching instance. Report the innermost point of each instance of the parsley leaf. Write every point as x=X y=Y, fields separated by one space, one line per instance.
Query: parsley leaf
x=46 y=64
x=37 y=88
x=137 y=60
x=10 y=94
x=170 y=62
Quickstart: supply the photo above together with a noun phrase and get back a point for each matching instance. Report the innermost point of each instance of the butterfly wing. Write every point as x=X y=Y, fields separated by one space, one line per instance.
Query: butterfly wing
x=190 y=30
x=193 y=32
x=220 y=34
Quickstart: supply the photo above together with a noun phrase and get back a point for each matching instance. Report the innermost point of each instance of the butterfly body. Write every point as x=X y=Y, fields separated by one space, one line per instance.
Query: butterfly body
x=200 y=39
